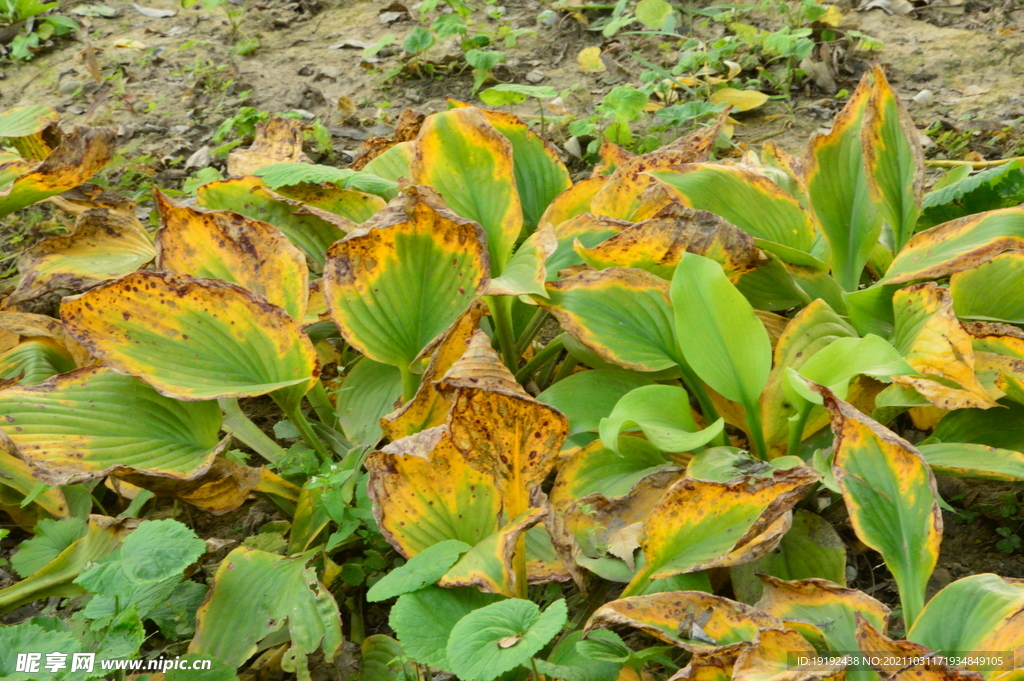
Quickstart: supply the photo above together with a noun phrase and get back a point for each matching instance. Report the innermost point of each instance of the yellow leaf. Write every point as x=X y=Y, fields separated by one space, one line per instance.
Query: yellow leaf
x=741 y=100
x=589 y=60
x=278 y=140
x=832 y=17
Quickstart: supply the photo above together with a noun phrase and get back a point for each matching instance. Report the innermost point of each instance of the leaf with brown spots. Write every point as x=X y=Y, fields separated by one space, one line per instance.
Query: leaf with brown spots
x=105 y=245
x=933 y=341
x=130 y=427
x=900 y=660
x=230 y=247
x=17 y=475
x=81 y=154
x=424 y=492
x=430 y=406
x=626 y=194
x=886 y=484
x=350 y=204
x=820 y=609
x=612 y=156
x=219 y=489
x=395 y=289
x=698 y=523
x=26 y=325
x=572 y=202
x=693 y=620
x=586 y=230
x=88 y=196
x=277 y=140
x=194 y=339
x=311 y=231
x=657 y=244
x=408 y=126
x=772 y=656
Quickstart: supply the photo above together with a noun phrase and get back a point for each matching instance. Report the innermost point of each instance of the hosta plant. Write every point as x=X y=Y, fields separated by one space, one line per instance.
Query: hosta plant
x=729 y=349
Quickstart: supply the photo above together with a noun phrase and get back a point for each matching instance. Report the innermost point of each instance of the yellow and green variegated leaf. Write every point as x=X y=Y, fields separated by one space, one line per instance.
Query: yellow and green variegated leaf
x=983 y=603
x=251 y=198
x=967 y=460
x=24 y=121
x=698 y=523
x=957 y=245
x=393 y=163
x=17 y=475
x=469 y=163
x=747 y=200
x=130 y=427
x=935 y=343
x=588 y=396
x=348 y=203
x=804 y=603
x=228 y=246
x=632 y=193
x=430 y=407
x=105 y=245
x=35 y=360
x=255 y=594
x=693 y=620
x=488 y=565
x=612 y=156
x=772 y=658
x=905 y=660
x=989 y=292
x=894 y=159
x=595 y=469
x=837 y=187
x=572 y=202
x=584 y=230
x=810 y=330
x=890 y=494
x=57 y=577
x=540 y=173
x=657 y=244
x=13 y=166
x=424 y=492
x=368 y=392
x=623 y=315
x=526 y=272
x=396 y=288
x=193 y=339
x=81 y=154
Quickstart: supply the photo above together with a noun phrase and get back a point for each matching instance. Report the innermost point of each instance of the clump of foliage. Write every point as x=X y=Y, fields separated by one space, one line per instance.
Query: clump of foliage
x=740 y=347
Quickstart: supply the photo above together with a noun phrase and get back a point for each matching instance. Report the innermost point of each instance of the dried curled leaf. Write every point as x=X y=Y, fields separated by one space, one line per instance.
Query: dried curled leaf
x=278 y=140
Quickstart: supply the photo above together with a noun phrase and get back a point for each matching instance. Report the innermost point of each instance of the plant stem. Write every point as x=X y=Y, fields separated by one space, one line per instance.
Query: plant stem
x=537 y=321
x=410 y=383
x=308 y=436
x=501 y=316
x=238 y=424
x=973 y=164
x=322 y=406
x=533 y=666
x=796 y=428
x=544 y=355
x=707 y=407
x=752 y=415
x=564 y=371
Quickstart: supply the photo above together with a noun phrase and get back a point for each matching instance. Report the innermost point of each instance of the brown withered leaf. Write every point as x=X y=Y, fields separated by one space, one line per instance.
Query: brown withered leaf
x=278 y=140
x=406 y=129
x=87 y=196
x=895 y=661
x=105 y=244
x=220 y=489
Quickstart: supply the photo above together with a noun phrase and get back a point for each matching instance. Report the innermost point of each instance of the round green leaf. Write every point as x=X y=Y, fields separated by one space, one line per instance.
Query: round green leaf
x=422 y=570
x=490 y=641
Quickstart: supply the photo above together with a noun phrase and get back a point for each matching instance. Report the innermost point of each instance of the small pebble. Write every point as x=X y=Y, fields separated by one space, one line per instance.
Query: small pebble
x=924 y=97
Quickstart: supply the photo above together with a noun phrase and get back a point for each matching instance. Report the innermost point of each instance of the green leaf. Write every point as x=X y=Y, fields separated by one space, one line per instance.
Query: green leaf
x=484 y=59
x=653 y=13
x=566 y=662
x=514 y=93
x=418 y=40
x=368 y=393
x=32 y=638
x=156 y=551
x=720 y=336
x=840 y=361
x=130 y=426
x=1000 y=427
x=422 y=570
x=499 y=637
x=662 y=413
x=286 y=174
x=51 y=538
x=23 y=121
x=982 y=603
x=962 y=459
x=424 y=619
x=987 y=292
x=624 y=104
x=588 y=396
x=596 y=469
x=811 y=549
x=218 y=671
x=382 y=660
x=255 y=594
